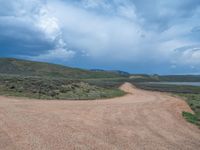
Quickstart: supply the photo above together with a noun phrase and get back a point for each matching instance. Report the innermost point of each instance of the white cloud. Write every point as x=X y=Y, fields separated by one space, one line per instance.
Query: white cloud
x=50 y=25
x=121 y=34
x=59 y=55
x=116 y=31
x=101 y=36
x=95 y=4
x=189 y=56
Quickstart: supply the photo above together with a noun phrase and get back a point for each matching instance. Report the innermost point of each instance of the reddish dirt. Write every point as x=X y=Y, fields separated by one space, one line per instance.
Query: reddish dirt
x=141 y=120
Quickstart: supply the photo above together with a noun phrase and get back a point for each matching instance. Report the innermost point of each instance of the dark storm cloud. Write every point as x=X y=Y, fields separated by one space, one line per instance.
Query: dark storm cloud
x=27 y=29
x=18 y=37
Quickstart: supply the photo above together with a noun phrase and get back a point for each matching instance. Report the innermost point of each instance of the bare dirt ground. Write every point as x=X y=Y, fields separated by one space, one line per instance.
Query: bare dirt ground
x=141 y=120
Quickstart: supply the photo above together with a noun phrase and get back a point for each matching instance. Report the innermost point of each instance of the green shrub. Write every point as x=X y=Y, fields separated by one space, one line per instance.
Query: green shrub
x=190 y=117
x=48 y=88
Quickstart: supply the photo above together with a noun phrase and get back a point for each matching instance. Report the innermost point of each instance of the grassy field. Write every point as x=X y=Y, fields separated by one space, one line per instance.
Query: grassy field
x=194 y=102
x=45 y=88
x=191 y=94
x=62 y=88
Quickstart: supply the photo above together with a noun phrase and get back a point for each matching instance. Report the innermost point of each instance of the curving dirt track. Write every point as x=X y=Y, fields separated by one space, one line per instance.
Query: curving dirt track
x=141 y=120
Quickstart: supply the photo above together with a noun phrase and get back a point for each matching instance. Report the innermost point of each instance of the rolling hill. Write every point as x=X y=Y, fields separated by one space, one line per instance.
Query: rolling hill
x=40 y=80
x=12 y=66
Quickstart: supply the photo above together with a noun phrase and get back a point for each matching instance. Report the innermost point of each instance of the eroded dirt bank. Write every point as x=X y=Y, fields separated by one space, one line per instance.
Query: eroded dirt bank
x=141 y=120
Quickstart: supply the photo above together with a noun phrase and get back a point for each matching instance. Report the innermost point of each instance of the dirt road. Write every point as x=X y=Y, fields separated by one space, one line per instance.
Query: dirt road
x=141 y=120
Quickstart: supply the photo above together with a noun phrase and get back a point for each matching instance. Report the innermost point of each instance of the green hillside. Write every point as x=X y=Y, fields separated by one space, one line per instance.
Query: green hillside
x=13 y=66
x=50 y=81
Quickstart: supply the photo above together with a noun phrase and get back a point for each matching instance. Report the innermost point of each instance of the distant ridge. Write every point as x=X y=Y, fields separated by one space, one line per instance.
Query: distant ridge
x=123 y=73
x=13 y=66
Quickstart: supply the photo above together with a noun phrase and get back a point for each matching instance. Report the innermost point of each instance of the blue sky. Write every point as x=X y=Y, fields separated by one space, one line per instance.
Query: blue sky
x=139 y=36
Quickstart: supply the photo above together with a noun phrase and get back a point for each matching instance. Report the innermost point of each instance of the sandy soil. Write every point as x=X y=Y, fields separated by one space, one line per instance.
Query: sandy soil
x=141 y=120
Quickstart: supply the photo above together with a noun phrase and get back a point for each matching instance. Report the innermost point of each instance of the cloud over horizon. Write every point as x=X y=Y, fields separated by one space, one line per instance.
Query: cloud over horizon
x=161 y=37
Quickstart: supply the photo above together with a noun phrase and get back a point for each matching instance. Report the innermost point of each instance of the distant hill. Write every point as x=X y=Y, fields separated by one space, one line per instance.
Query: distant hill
x=119 y=72
x=180 y=78
x=165 y=78
x=12 y=66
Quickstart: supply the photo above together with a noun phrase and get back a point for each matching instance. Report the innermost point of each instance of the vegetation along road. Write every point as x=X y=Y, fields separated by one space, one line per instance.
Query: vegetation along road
x=139 y=120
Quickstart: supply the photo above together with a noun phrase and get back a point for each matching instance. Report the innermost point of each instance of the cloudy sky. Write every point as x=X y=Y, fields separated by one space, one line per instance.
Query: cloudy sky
x=139 y=36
